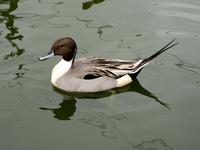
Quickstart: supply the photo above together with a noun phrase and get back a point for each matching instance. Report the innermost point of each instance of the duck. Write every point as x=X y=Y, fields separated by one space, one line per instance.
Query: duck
x=93 y=74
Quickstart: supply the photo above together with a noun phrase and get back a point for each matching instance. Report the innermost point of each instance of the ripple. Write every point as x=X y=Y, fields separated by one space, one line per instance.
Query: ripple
x=179 y=10
x=11 y=85
x=8 y=20
x=179 y=5
x=53 y=5
x=86 y=21
x=154 y=144
x=100 y=29
x=63 y=22
x=193 y=68
x=41 y=20
x=184 y=15
x=181 y=34
x=109 y=129
x=93 y=121
x=14 y=74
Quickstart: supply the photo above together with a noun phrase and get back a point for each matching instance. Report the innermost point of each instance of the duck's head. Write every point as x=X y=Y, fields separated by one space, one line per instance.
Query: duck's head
x=65 y=47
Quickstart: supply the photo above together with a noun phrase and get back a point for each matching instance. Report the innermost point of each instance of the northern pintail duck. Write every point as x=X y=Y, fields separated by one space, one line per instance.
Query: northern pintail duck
x=93 y=74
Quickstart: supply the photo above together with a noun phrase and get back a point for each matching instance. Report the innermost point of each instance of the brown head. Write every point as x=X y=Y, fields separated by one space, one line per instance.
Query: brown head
x=65 y=47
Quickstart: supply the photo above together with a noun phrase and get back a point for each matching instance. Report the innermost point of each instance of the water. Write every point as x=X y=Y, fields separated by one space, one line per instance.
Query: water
x=159 y=111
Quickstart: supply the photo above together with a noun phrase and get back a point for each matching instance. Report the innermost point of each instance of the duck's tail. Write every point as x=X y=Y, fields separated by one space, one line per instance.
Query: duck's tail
x=166 y=47
x=147 y=60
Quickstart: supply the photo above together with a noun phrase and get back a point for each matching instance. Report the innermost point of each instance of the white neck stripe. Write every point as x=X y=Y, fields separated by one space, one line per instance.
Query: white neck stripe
x=60 y=69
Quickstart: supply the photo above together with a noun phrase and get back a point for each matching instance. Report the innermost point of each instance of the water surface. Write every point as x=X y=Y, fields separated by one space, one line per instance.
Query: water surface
x=158 y=111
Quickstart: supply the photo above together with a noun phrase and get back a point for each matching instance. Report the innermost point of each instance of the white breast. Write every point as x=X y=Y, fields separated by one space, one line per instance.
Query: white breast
x=59 y=70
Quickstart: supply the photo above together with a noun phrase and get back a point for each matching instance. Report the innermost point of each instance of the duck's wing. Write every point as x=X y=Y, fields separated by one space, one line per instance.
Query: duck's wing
x=99 y=67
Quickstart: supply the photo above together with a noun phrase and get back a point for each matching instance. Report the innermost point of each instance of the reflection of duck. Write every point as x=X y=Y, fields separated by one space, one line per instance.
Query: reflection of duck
x=67 y=107
x=65 y=111
x=133 y=87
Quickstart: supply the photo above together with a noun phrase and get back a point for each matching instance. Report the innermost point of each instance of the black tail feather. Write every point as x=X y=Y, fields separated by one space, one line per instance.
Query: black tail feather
x=166 y=47
x=147 y=60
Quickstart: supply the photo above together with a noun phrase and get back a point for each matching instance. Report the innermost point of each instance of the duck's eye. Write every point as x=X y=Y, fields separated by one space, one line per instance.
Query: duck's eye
x=61 y=46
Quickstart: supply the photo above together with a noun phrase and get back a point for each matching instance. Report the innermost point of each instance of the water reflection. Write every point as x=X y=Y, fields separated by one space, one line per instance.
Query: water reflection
x=109 y=129
x=65 y=111
x=100 y=29
x=67 y=107
x=20 y=71
x=134 y=87
x=89 y=4
x=186 y=65
x=153 y=144
x=9 y=20
x=107 y=125
x=39 y=20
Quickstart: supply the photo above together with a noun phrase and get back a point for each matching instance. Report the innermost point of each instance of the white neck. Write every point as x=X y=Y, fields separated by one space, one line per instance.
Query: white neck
x=60 y=69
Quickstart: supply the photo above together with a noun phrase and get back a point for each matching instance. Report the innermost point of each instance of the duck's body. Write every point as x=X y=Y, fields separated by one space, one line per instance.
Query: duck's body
x=93 y=74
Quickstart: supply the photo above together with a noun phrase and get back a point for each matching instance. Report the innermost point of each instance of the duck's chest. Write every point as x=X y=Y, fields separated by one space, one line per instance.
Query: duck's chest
x=60 y=70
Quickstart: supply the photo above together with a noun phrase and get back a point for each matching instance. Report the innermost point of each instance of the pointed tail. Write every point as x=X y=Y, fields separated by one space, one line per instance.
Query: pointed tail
x=147 y=60
x=166 y=47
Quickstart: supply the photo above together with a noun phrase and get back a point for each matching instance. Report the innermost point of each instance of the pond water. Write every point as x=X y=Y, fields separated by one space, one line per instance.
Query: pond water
x=158 y=111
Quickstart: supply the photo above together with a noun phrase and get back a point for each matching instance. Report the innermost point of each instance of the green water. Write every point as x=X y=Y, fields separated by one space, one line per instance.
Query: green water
x=158 y=111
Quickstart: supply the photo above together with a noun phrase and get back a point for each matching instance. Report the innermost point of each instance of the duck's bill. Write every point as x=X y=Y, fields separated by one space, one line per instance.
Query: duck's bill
x=49 y=55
